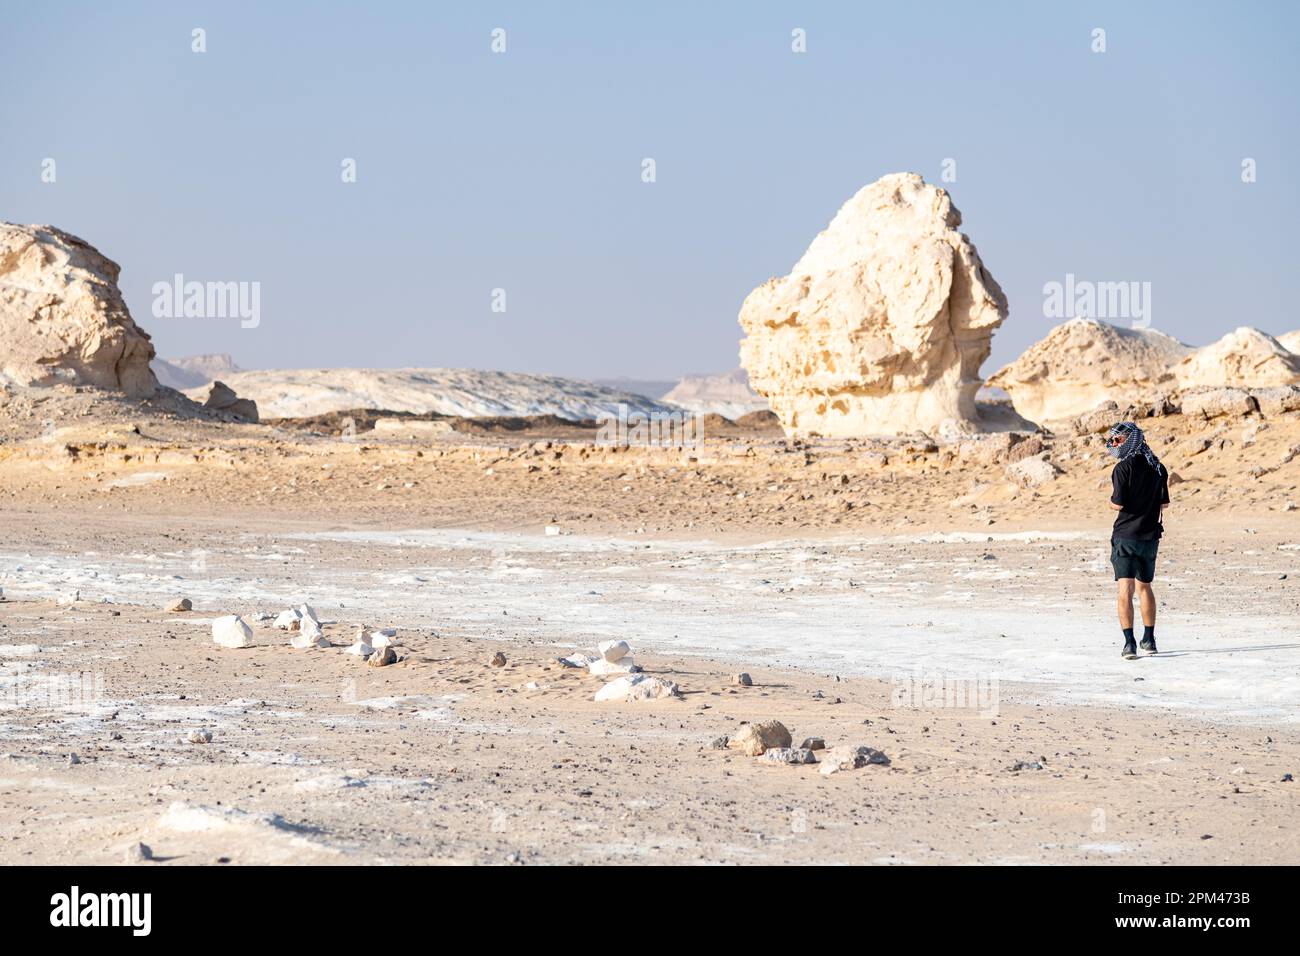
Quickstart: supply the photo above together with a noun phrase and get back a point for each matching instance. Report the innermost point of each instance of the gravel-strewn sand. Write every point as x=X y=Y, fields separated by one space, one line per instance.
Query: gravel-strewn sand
x=442 y=758
x=832 y=578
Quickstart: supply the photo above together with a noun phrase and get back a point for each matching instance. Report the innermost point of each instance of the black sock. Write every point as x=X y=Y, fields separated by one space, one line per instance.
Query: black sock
x=1128 y=635
x=1148 y=632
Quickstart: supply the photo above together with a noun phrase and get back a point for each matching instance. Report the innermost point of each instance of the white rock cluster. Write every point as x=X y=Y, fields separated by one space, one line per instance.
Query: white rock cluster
x=1084 y=364
x=307 y=632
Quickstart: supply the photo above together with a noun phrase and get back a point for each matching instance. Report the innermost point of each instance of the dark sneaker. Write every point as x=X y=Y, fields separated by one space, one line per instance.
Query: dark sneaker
x=1148 y=646
x=1130 y=651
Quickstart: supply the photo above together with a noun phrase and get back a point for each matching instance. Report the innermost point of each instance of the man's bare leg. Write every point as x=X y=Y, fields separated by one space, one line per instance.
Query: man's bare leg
x=1125 y=603
x=1147 y=601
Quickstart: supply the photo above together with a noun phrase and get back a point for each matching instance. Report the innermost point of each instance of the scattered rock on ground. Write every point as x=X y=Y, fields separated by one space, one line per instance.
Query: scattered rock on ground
x=1277 y=401
x=382 y=657
x=753 y=739
x=1214 y=402
x=1033 y=472
x=796 y=755
x=603 y=668
x=613 y=650
x=288 y=620
x=637 y=687
x=851 y=757
x=1026 y=765
x=306 y=639
x=231 y=631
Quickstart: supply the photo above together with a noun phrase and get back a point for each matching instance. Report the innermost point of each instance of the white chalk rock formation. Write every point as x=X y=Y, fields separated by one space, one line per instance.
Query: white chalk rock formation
x=1290 y=341
x=882 y=326
x=288 y=620
x=728 y=395
x=309 y=635
x=291 y=393
x=1244 y=358
x=303 y=641
x=637 y=687
x=193 y=371
x=62 y=317
x=1082 y=363
x=603 y=668
x=613 y=650
x=231 y=631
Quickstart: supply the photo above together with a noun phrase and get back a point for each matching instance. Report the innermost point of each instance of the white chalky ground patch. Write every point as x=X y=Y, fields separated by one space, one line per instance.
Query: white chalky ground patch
x=846 y=611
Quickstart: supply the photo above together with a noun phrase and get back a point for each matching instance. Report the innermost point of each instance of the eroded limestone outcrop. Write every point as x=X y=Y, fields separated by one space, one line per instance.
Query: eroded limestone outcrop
x=62 y=317
x=881 y=327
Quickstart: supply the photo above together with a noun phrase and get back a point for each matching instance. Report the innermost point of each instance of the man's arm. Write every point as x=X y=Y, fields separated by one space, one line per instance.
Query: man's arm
x=1116 y=490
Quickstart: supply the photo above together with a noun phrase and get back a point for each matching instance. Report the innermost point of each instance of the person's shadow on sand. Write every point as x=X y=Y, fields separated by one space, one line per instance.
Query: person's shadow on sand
x=1229 y=650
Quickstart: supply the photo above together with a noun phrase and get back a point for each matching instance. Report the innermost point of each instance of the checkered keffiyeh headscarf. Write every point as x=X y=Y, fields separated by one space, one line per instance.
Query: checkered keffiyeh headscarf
x=1134 y=444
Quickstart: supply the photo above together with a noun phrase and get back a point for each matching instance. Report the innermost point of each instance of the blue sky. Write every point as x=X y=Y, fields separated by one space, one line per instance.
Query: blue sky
x=522 y=170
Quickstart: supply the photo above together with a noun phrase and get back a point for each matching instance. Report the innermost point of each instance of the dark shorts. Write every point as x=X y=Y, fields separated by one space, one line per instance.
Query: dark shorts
x=1134 y=559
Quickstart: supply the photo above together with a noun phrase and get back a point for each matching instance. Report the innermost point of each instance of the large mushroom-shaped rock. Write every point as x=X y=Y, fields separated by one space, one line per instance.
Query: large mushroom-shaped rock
x=62 y=317
x=1082 y=363
x=882 y=326
x=1244 y=358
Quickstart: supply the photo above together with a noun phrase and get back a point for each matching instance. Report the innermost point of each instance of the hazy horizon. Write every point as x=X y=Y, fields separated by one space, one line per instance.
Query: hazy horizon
x=522 y=170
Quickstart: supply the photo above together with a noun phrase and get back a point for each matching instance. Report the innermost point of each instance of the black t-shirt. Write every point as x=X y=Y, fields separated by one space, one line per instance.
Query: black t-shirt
x=1140 y=490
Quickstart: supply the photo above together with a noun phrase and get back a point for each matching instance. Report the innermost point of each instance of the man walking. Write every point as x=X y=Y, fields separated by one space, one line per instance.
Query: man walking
x=1139 y=492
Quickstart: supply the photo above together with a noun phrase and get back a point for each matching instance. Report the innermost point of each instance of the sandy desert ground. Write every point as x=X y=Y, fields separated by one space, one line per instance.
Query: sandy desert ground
x=846 y=578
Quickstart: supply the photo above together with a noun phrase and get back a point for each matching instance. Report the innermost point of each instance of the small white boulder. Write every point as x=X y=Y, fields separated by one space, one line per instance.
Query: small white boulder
x=613 y=650
x=603 y=668
x=288 y=620
x=304 y=640
x=231 y=631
